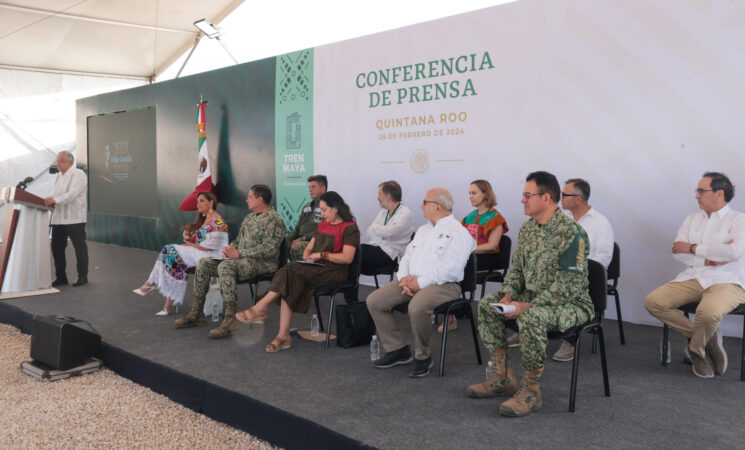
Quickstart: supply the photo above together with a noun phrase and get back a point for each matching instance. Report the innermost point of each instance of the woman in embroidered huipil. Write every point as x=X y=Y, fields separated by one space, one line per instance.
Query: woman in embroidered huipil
x=485 y=224
x=330 y=251
x=204 y=238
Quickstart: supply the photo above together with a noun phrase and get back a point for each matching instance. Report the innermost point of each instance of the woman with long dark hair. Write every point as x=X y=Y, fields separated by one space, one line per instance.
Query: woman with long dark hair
x=204 y=238
x=325 y=261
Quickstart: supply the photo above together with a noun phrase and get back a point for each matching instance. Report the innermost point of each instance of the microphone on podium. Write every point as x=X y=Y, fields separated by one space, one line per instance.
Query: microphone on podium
x=22 y=184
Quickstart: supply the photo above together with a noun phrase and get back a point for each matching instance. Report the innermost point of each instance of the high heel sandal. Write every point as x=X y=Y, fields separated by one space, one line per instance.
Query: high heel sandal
x=143 y=292
x=167 y=308
x=250 y=316
x=278 y=344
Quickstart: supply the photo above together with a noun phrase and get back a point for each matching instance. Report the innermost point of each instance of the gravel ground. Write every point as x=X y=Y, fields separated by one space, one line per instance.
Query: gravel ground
x=100 y=410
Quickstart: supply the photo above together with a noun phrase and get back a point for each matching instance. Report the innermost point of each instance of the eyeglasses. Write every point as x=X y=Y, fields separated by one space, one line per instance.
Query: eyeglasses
x=701 y=191
x=424 y=202
x=564 y=194
x=527 y=195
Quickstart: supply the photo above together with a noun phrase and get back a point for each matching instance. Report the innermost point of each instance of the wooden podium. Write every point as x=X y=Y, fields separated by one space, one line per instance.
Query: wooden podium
x=25 y=256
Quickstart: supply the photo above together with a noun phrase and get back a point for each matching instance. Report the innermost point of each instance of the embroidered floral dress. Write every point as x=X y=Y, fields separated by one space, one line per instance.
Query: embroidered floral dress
x=171 y=269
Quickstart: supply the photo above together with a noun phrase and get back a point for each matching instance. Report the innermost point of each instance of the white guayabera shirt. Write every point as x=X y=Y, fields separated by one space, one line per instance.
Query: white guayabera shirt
x=71 y=202
x=438 y=254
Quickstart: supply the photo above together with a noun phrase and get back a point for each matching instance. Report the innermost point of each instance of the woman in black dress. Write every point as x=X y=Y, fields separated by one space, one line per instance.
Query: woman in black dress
x=332 y=248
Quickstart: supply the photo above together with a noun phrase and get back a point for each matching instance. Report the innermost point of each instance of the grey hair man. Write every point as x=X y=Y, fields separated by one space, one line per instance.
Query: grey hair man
x=427 y=277
x=575 y=198
x=69 y=217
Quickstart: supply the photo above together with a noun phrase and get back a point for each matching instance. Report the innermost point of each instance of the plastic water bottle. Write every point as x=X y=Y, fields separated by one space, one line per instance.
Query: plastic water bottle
x=668 y=359
x=374 y=348
x=314 y=325
x=490 y=369
x=215 y=311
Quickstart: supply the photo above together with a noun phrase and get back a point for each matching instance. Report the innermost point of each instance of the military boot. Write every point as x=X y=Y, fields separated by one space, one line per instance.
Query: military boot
x=502 y=383
x=228 y=324
x=528 y=397
x=195 y=316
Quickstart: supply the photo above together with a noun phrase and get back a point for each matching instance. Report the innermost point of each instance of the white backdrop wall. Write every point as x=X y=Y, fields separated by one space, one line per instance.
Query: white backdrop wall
x=638 y=97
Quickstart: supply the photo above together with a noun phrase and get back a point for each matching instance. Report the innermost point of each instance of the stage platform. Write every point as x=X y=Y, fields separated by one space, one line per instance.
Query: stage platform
x=310 y=397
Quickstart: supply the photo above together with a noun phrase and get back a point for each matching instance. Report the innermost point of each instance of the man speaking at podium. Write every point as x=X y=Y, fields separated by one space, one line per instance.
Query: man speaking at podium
x=68 y=218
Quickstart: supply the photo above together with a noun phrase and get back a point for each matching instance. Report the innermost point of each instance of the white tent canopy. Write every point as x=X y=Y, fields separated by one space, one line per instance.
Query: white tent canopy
x=133 y=38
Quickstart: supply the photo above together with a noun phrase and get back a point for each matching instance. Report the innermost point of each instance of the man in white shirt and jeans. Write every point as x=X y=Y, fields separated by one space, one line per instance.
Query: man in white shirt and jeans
x=428 y=276
x=68 y=218
x=574 y=198
x=711 y=243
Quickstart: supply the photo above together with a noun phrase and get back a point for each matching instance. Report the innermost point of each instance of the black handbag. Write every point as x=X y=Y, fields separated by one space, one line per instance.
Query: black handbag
x=354 y=325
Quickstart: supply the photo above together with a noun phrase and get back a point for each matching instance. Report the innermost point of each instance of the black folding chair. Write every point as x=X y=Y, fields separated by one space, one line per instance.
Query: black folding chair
x=614 y=271
x=597 y=288
x=467 y=286
x=284 y=255
x=348 y=288
x=500 y=262
x=389 y=270
x=690 y=308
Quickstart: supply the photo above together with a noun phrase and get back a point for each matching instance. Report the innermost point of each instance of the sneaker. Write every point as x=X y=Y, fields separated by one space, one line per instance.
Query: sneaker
x=394 y=358
x=565 y=352
x=715 y=351
x=421 y=368
x=513 y=340
x=701 y=366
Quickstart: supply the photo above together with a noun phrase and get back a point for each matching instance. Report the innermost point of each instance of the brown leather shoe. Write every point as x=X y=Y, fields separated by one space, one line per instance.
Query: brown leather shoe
x=502 y=383
x=528 y=397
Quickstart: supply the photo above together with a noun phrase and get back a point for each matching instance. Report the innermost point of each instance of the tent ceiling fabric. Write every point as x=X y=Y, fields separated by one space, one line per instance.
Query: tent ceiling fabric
x=132 y=38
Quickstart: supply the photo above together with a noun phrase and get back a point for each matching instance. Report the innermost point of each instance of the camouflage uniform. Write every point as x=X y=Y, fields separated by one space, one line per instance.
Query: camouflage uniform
x=549 y=271
x=258 y=249
x=306 y=226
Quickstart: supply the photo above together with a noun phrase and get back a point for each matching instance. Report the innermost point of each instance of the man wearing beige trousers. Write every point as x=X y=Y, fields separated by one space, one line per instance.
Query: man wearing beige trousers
x=711 y=243
x=428 y=276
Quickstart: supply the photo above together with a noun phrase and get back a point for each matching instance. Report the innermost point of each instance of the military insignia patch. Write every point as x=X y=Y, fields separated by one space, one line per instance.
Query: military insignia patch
x=572 y=260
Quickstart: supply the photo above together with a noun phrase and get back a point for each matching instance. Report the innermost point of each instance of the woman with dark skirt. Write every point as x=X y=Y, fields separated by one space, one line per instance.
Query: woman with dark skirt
x=326 y=260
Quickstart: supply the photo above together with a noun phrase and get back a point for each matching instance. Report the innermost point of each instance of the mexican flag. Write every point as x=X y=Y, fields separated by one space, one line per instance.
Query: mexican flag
x=204 y=177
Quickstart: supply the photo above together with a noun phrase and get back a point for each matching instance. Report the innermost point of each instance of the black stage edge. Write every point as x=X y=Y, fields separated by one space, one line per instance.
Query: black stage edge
x=237 y=410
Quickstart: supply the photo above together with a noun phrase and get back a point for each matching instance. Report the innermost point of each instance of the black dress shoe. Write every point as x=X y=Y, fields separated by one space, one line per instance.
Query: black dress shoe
x=81 y=281
x=421 y=368
x=60 y=282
